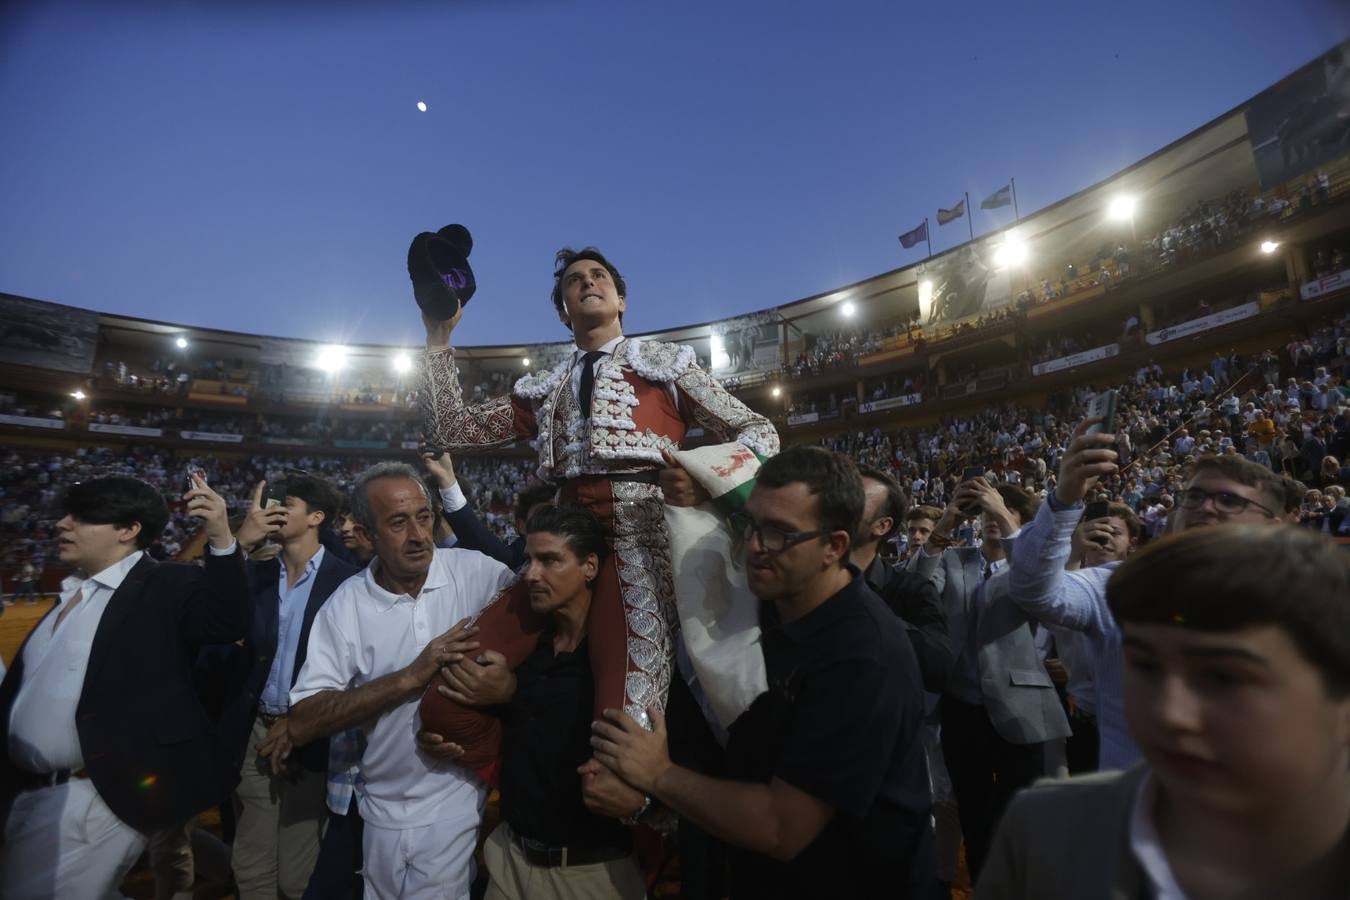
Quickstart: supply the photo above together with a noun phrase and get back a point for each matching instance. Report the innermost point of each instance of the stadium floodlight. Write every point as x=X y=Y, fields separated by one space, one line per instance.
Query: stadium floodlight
x=848 y=309
x=777 y=391
x=331 y=359
x=718 y=351
x=402 y=363
x=1122 y=208
x=525 y=362
x=421 y=106
x=1012 y=252
x=925 y=299
x=77 y=394
x=1269 y=247
x=181 y=343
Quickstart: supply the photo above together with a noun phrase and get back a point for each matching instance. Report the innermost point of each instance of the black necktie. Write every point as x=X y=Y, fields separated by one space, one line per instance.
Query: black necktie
x=587 y=380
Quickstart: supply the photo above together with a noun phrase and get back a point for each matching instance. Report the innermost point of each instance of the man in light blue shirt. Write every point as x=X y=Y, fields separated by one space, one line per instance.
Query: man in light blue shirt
x=281 y=791
x=1219 y=490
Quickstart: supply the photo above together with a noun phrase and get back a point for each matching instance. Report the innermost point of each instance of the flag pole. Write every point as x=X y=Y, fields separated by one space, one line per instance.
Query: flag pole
x=928 y=236
x=970 y=217
x=1017 y=216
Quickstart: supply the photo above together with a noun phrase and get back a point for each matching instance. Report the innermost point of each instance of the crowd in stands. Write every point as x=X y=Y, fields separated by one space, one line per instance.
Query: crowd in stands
x=1330 y=258
x=1232 y=407
x=31 y=483
x=1287 y=411
x=838 y=348
x=13 y=404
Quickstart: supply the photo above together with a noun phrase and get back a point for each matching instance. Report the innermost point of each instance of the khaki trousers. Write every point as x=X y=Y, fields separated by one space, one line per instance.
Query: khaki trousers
x=513 y=877
x=281 y=819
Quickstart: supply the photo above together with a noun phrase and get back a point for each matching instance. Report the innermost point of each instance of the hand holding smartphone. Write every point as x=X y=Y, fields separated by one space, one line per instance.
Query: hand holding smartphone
x=276 y=494
x=1103 y=407
x=970 y=474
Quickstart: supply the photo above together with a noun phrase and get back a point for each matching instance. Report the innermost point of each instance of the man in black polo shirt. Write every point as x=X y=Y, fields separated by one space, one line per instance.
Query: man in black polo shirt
x=549 y=844
x=828 y=795
x=915 y=600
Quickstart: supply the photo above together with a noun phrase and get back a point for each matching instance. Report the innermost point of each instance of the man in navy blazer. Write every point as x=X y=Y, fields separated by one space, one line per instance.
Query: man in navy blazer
x=281 y=789
x=106 y=740
x=470 y=532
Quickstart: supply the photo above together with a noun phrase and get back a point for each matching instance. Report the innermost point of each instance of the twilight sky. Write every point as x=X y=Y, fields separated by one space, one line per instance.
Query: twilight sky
x=262 y=166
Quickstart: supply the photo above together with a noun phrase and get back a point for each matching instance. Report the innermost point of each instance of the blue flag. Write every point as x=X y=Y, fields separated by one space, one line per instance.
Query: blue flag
x=910 y=238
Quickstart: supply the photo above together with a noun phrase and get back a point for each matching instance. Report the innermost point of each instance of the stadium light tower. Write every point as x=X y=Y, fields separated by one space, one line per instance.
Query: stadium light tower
x=181 y=343
x=402 y=363
x=848 y=309
x=331 y=359
x=525 y=362
x=718 y=351
x=77 y=394
x=1122 y=208
x=1012 y=252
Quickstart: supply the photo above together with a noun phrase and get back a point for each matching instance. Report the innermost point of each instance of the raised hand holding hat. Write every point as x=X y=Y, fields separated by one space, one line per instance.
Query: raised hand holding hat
x=438 y=264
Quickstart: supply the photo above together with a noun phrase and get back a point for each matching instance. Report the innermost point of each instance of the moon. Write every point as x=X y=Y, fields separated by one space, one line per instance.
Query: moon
x=421 y=106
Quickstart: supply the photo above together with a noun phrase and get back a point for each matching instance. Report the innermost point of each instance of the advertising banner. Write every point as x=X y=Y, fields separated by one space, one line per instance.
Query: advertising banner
x=1076 y=359
x=1204 y=323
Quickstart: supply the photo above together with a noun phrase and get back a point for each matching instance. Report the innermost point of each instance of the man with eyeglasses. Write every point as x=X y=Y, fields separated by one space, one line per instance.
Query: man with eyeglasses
x=825 y=793
x=1219 y=490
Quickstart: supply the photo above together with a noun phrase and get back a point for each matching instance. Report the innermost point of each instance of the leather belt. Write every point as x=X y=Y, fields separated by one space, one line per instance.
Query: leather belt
x=540 y=854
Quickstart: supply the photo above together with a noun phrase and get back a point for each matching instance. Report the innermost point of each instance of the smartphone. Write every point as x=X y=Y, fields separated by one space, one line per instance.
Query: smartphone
x=970 y=474
x=1103 y=407
x=194 y=470
x=1097 y=509
x=276 y=494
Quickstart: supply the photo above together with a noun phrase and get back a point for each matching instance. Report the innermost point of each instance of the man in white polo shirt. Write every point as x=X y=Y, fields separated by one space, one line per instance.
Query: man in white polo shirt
x=374 y=646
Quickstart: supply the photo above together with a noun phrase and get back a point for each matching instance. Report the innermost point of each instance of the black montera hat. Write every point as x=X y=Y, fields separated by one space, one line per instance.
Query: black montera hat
x=438 y=265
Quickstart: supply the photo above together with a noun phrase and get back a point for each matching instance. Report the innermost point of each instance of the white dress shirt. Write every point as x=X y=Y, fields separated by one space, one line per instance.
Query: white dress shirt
x=606 y=348
x=363 y=633
x=1146 y=845
x=42 y=735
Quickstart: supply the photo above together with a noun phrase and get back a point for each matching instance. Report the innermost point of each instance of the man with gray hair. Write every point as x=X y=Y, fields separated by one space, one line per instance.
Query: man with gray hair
x=374 y=647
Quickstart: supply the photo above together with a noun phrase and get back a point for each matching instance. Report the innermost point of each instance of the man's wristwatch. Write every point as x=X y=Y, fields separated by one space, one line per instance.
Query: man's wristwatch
x=634 y=818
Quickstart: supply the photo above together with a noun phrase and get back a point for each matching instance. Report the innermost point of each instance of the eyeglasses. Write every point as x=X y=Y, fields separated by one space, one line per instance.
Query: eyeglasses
x=1225 y=502
x=774 y=540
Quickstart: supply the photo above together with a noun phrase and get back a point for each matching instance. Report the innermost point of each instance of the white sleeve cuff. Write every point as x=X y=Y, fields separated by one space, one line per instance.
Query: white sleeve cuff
x=234 y=545
x=453 y=499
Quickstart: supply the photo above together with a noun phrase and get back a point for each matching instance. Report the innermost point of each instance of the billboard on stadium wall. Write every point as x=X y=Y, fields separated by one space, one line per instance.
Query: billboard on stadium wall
x=966 y=282
x=1304 y=121
x=47 y=335
x=744 y=344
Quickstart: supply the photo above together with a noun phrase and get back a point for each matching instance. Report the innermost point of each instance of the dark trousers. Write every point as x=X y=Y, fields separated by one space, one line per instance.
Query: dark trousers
x=1083 y=746
x=337 y=874
x=985 y=770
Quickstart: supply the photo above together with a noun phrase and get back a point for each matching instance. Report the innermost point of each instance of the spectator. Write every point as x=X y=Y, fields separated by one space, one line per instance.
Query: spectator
x=1237 y=690
x=124 y=631
x=550 y=843
x=366 y=664
x=1000 y=706
x=1219 y=490
x=281 y=792
x=827 y=793
x=910 y=596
